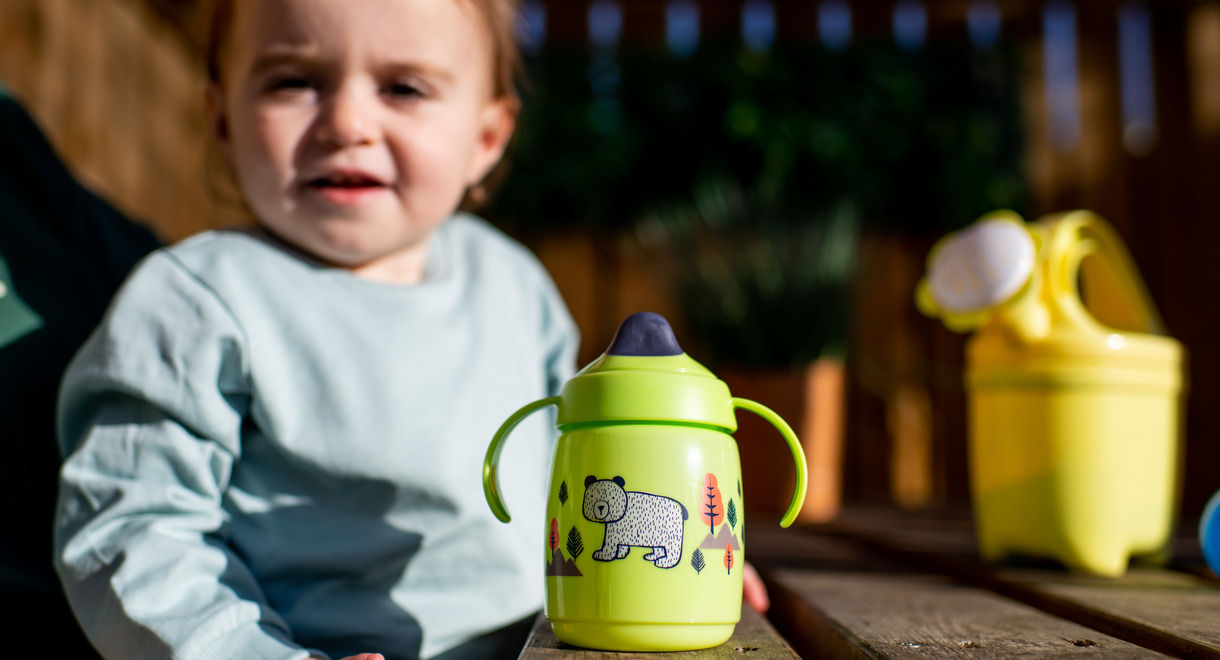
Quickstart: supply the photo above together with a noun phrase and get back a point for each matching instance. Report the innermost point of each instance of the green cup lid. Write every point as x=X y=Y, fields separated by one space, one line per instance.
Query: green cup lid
x=645 y=377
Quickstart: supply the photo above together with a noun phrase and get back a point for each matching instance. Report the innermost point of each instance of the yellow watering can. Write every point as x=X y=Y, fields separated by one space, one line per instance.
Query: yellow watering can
x=1074 y=404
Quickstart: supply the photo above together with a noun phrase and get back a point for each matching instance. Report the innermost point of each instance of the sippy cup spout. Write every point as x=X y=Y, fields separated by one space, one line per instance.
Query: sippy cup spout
x=644 y=334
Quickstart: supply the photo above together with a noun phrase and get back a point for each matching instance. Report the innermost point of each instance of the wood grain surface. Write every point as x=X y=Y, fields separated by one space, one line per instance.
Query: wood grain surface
x=1169 y=611
x=836 y=598
x=753 y=639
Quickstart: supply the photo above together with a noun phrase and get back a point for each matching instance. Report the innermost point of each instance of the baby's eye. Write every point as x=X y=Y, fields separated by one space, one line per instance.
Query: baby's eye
x=403 y=89
x=289 y=84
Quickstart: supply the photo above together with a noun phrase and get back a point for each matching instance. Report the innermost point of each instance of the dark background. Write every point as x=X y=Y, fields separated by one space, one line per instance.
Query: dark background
x=788 y=191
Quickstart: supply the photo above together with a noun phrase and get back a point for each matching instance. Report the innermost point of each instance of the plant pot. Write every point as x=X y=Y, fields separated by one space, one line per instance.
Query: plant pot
x=810 y=398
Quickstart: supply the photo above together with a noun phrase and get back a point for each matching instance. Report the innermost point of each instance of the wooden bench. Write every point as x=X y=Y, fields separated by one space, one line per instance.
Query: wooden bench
x=878 y=583
x=754 y=638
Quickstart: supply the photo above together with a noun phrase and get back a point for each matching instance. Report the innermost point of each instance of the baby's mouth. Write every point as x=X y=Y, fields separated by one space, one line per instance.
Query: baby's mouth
x=351 y=181
x=347 y=188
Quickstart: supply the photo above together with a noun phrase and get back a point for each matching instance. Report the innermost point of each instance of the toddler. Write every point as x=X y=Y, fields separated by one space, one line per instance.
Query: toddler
x=274 y=438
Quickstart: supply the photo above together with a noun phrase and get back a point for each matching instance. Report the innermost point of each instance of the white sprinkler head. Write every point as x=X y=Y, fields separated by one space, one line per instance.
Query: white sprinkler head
x=982 y=266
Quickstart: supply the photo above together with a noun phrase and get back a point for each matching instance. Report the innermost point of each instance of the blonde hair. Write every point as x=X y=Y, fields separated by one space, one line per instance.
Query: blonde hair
x=499 y=15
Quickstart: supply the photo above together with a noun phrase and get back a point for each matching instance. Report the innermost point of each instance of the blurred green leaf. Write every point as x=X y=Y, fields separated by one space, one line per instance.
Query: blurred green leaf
x=757 y=171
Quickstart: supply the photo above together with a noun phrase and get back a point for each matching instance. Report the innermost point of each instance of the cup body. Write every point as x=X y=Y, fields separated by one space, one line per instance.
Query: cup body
x=644 y=541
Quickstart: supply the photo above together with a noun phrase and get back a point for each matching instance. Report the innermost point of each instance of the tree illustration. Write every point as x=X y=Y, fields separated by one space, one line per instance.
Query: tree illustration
x=731 y=514
x=728 y=558
x=711 y=505
x=696 y=560
x=575 y=544
x=563 y=492
x=554 y=534
x=739 y=488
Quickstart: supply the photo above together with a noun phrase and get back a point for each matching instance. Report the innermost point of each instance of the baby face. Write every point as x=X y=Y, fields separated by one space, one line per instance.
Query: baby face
x=355 y=127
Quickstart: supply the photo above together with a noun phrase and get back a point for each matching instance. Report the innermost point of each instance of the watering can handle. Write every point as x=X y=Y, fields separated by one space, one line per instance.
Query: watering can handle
x=798 y=454
x=491 y=481
x=1117 y=296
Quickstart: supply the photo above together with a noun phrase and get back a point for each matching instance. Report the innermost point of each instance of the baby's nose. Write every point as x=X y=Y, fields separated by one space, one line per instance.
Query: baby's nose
x=348 y=119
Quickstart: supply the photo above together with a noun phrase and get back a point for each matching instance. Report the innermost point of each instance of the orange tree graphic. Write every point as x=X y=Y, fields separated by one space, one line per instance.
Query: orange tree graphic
x=728 y=558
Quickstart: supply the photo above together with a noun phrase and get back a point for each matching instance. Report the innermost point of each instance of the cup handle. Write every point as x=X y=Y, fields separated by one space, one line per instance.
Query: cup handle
x=491 y=480
x=798 y=454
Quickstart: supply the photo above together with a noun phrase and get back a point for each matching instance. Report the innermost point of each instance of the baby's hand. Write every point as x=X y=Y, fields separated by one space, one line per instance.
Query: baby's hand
x=753 y=590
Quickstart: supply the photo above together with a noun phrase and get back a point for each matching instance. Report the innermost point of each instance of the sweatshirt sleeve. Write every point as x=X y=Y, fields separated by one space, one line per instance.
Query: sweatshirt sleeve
x=150 y=418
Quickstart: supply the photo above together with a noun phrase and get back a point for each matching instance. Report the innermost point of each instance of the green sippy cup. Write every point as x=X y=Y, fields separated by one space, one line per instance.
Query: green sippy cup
x=645 y=541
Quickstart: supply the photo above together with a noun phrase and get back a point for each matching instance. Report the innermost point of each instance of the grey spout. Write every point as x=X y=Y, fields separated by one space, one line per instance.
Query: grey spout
x=644 y=334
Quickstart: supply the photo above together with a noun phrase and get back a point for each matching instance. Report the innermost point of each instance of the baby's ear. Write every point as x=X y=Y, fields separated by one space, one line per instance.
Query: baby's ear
x=496 y=125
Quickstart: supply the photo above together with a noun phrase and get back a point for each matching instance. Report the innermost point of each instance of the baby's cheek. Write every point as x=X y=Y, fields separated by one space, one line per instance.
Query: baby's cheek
x=262 y=163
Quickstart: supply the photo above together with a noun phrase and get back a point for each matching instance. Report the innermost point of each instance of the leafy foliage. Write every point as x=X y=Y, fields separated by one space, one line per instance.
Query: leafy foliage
x=563 y=492
x=696 y=561
x=728 y=558
x=919 y=141
x=731 y=514
x=554 y=536
x=744 y=271
x=755 y=172
x=575 y=544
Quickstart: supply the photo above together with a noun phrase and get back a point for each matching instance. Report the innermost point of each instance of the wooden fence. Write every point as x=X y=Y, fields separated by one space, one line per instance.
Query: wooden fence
x=1122 y=108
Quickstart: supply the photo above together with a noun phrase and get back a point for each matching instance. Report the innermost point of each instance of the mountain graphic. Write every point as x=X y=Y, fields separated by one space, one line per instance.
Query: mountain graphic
x=561 y=566
x=719 y=541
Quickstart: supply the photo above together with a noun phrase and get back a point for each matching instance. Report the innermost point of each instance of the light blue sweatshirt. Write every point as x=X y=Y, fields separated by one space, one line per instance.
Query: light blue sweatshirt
x=266 y=455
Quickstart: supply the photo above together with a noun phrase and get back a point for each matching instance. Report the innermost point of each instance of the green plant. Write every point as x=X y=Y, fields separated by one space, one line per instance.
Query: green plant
x=759 y=287
x=754 y=173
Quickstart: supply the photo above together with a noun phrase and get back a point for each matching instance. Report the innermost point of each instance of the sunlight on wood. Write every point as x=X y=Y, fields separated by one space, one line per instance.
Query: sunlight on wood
x=909 y=417
x=1203 y=43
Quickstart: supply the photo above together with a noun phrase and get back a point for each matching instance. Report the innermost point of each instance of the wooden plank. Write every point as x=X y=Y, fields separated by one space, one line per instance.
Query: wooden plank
x=834 y=598
x=935 y=616
x=1188 y=553
x=753 y=638
x=1169 y=611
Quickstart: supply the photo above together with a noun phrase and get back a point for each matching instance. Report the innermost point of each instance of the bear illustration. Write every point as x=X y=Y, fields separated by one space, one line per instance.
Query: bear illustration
x=635 y=518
